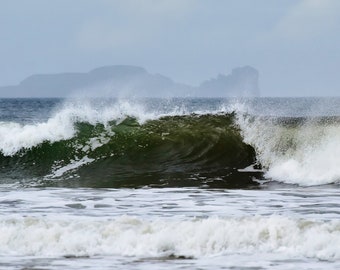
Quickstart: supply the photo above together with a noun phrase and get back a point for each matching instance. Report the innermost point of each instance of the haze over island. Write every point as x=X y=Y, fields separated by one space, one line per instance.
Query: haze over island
x=132 y=81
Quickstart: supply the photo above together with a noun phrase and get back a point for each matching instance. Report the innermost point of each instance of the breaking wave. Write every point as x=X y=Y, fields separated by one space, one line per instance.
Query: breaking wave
x=126 y=145
x=131 y=236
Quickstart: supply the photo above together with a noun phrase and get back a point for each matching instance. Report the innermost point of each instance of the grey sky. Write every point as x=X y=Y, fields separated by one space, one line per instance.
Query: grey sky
x=293 y=43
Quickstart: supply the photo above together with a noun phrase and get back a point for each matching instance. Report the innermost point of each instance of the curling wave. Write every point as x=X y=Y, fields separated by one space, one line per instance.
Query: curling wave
x=126 y=146
x=171 y=150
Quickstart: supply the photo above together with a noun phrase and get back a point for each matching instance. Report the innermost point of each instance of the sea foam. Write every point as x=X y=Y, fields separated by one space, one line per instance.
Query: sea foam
x=132 y=236
x=306 y=153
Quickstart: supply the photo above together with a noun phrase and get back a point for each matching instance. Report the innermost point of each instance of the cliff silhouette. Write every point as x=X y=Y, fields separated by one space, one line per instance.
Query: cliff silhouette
x=123 y=80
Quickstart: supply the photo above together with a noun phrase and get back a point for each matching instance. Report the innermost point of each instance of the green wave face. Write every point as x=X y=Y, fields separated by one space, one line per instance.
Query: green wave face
x=191 y=150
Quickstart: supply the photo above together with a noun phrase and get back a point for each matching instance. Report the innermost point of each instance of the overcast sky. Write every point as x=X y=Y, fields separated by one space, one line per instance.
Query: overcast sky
x=294 y=44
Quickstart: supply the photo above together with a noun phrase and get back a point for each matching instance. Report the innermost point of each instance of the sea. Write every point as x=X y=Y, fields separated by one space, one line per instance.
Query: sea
x=181 y=183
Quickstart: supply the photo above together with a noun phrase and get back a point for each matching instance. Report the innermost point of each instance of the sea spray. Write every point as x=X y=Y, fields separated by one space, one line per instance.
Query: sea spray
x=301 y=151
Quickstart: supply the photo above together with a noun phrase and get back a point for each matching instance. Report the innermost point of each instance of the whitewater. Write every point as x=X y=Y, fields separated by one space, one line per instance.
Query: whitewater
x=166 y=184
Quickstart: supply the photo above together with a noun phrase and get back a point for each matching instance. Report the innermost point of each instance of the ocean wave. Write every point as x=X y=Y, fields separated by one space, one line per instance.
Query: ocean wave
x=167 y=151
x=131 y=236
x=124 y=144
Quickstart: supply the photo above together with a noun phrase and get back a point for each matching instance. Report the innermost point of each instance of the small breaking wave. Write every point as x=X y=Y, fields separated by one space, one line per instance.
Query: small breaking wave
x=131 y=236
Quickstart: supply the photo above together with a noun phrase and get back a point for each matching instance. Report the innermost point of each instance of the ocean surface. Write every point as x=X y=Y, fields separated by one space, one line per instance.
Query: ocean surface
x=170 y=183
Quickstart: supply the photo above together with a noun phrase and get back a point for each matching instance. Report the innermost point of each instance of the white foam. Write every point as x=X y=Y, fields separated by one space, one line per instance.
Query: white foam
x=15 y=137
x=131 y=236
x=306 y=155
x=75 y=164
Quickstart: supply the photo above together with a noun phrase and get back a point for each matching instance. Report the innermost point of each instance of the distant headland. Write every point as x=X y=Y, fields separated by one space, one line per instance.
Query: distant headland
x=123 y=80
